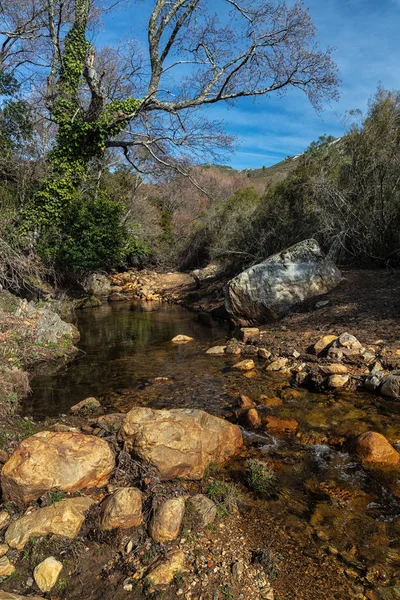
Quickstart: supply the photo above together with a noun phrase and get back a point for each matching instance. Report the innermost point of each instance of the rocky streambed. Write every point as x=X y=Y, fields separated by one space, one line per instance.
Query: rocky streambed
x=202 y=475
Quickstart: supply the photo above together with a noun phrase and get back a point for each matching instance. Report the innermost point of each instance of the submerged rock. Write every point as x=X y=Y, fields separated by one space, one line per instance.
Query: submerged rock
x=180 y=442
x=62 y=518
x=217 y=350
x=280 y=425
x=373 y=448
x=46 y=573
x=122 y=509
x=48 y=460
x=167 y=520
x=267 y=291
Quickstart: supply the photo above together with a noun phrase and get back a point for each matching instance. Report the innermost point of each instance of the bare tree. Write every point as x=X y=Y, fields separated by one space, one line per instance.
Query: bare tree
x=254 y=48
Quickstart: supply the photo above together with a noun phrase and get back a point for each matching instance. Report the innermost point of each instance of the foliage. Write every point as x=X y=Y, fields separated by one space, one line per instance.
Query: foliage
x=261 y=478
x=225 y=495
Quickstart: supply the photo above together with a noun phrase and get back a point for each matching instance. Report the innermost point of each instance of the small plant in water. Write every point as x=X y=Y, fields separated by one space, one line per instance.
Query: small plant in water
x=225 y=495
x=261 y=478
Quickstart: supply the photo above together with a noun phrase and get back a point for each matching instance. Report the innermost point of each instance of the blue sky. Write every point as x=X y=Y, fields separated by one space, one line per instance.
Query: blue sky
x=365 y=34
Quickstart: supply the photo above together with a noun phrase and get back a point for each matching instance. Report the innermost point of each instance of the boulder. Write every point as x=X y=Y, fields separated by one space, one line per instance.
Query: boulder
x=48 y=460
x=244 y=365
x=62 y=518
x=97 y=284
x=205 y=509
x=373 y=448
x=164 y=573
x=88 y=405
x=122 y=509
x=266 y=292
x=46 y=573
x=180 y=442
x=167 y=520
x=391 y=386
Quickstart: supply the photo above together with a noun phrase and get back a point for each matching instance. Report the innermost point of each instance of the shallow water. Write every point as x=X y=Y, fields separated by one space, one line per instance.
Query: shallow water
x=126 y=358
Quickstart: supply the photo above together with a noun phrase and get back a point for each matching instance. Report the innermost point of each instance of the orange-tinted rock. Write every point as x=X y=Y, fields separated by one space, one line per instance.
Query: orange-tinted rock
x=278 y=425
x=246 y=402
x=180 y=442
x=252 y=419
x=270 y=402
x=324 y=343
x=244 y=365
x=48 y=460
x=373 y=448
x=122 y=509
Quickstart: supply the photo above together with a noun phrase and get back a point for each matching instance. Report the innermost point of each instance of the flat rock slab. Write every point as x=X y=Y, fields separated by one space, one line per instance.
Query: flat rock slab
x=56 y=460
x=180 y=442
x=63 y=518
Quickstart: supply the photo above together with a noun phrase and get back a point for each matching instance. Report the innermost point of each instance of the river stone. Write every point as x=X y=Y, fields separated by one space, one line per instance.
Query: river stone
x=6 y=567
x=244 y=365
x=4 y=519
x=266 y=292
x=217 y=350
x=349 y=341
x=48 y=460
x=205 y=508
x=180 y=442
x=373 y=448
x=166 y=571
x=85 y=406
x=324 y=343
x=182 y=339
x=61 y=518
x=338 y=381
x=167 y=520
x=122 y=509
x=334 y=369
x=264 y=353
x=46 y=573
x=277 y=365
x=280 y=425
x=391 y=386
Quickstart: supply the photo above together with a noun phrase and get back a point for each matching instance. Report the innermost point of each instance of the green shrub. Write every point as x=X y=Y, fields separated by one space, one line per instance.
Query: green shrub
x=261 y=479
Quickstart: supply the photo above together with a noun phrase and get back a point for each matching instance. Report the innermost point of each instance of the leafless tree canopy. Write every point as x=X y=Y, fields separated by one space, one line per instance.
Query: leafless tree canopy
x=195 y=57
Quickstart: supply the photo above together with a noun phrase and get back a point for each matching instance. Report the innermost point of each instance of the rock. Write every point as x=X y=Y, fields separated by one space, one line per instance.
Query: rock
x=277 y=365
x=216 y=350
x=373 y=448
x=296 y=354
x=233 y=347
x=237 y=571
x=166 y=571
x=346 y=340
x=266 y=292
x=64 y=428
x=110 y=423
x=278 y=425
x=10 y=596
x=373 y=382
x=4 y=519
x=4 y=548
x=322 y=303
x=182 y=339
x=338 y=381
x=88 y=405
x=3 y=456
x=46 y=573
x=97 y=284
x=251 y=419
x=180 y=442
x=6 y=567
x=334 y=369
x=249 y=334
x=122 y=509
x=244 y=365
x=62 y=518
x=264 y=353
x=246 y=402
x=48 y=460
x=205 y=509
x=391 y=386
x=270 y=402
x=167 y=520
x=324 y=343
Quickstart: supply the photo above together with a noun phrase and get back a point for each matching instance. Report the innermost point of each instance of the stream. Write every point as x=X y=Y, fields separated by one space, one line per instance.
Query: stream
x=126 y=359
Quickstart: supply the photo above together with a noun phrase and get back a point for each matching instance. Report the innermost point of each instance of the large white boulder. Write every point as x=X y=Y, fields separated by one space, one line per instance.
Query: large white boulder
x=266 y=292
